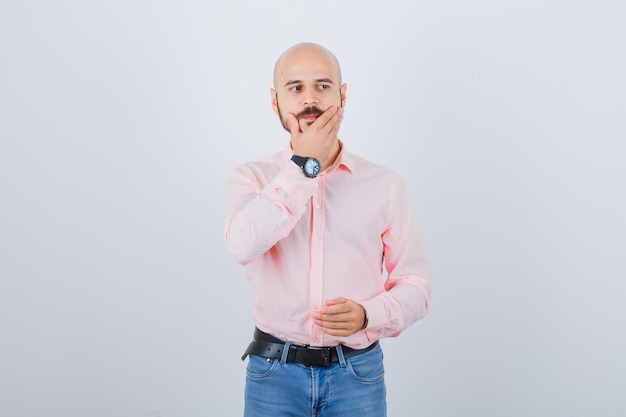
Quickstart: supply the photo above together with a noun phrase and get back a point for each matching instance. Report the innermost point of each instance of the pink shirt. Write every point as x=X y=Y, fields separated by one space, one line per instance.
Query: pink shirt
x=304 y=241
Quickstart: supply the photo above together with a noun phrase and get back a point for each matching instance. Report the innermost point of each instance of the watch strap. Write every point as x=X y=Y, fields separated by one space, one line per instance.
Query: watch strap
x=299 y=160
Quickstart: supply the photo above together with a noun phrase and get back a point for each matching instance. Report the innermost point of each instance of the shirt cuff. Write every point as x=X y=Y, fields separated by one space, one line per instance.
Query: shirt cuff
x=376 y=317
x=294 y=183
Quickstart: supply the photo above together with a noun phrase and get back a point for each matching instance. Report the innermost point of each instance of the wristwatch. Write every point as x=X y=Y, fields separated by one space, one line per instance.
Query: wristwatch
x=310 y=166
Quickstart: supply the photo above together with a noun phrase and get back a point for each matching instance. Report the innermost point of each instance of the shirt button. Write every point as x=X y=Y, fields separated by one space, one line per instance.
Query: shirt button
x=317 y=206
x=315 y=276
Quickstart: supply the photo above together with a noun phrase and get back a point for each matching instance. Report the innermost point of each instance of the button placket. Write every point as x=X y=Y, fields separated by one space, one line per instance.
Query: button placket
x=316 y=285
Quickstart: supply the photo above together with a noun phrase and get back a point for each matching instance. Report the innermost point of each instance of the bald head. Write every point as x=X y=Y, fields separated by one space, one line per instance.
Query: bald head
x=305 y=54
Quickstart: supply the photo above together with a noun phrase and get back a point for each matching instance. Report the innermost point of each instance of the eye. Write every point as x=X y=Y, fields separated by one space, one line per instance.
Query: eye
x=324 y=86
x=296 y=88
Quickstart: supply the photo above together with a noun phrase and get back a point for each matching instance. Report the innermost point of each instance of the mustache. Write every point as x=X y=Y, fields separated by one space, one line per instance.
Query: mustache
x=309 y=111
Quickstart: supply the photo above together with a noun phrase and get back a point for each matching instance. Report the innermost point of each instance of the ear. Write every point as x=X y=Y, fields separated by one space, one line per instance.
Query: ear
x=342 y=92
x=274 y=100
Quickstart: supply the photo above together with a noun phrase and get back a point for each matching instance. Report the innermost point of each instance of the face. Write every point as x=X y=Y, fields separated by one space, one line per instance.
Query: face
x=306 y=83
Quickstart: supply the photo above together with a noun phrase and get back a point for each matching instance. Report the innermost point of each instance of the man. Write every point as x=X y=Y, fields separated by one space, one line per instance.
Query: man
x=314 y=225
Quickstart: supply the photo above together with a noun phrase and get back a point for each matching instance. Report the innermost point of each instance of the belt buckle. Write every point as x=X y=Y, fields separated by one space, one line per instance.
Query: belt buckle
x=328 y=359
x=319 y=356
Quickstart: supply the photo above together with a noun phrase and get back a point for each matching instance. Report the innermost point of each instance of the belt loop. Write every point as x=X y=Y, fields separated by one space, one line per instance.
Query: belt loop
x=342 y=359
x=285 y=354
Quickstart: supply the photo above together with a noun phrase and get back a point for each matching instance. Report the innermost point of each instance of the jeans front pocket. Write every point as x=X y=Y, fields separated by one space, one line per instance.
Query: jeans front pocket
x=367 y=367
x=260 y=367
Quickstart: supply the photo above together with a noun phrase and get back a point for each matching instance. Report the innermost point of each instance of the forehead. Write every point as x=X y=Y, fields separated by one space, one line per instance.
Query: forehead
x=305 y=64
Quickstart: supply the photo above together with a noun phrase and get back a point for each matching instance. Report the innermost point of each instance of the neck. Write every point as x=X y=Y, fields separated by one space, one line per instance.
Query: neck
x=332 y=155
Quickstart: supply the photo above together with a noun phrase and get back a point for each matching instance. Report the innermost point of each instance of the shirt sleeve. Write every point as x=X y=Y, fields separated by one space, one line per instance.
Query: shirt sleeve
x=259 y=213
x=408 y=285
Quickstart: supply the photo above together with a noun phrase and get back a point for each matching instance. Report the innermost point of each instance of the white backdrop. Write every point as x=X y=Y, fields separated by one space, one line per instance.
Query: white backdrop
x=119 y=121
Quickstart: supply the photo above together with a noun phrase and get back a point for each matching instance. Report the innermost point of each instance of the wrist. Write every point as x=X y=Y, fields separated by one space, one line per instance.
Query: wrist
x=365 y=318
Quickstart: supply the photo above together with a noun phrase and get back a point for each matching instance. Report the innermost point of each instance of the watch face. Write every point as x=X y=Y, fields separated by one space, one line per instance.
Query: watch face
x=312 y=167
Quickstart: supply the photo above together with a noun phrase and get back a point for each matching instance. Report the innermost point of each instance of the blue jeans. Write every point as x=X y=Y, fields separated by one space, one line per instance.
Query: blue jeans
x=352 y=387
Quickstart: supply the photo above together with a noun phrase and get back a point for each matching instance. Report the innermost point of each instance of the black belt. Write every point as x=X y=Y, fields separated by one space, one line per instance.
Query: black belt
x=271 y=347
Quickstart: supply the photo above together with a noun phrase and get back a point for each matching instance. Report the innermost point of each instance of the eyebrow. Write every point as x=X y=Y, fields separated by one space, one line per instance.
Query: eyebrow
x=319 y=80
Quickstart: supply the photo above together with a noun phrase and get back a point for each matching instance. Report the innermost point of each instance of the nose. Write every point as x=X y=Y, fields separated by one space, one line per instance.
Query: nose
x=310 y=98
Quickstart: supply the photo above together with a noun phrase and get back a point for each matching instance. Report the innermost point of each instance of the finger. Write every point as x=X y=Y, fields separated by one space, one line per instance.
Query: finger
x=292 y=123
x=327 y=125
x=323 y=120
x=329 y=324
x=336 y=325
x=340 y=317
x=335 y=306
x=339 y=329
x=334 y=318
x=338 y=300
x=334 y=127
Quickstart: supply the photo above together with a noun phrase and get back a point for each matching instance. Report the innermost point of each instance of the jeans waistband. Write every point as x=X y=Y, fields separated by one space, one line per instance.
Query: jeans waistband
x=268 y=346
